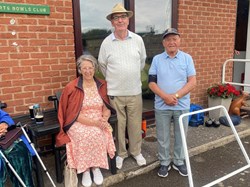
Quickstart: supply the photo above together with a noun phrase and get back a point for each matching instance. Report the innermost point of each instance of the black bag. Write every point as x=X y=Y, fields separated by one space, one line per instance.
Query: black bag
x=10 y=137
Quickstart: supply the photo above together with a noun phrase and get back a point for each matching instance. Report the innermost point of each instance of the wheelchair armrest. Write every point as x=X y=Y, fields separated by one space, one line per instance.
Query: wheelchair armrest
x=55 y=98
x=3 y=105
x=52 y=98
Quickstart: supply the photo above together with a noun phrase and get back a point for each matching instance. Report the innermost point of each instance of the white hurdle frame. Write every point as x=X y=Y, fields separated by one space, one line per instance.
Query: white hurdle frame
x=224 y=70
x=184 y=142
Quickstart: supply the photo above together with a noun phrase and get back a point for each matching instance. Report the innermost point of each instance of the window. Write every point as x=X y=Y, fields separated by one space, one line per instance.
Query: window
x=152 y=17
x=94 y=25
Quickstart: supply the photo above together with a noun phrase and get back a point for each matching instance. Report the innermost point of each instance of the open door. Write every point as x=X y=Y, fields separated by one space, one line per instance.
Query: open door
x=241 y=40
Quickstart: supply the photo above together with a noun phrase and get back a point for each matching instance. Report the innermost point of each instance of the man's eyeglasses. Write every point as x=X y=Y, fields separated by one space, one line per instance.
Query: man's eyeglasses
x=123 y=17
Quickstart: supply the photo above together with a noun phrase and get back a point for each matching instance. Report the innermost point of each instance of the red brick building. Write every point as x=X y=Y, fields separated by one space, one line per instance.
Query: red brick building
x=38 y=52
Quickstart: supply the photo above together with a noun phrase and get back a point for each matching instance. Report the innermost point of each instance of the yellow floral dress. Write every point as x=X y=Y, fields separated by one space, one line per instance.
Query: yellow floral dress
x=89 y=145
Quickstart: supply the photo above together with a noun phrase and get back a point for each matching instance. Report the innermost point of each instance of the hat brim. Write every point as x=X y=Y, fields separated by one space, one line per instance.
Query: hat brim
x=130 y=14
x=175 y=33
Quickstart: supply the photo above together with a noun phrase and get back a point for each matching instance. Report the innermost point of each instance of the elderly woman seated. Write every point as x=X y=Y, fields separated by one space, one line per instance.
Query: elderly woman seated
x=83 y=115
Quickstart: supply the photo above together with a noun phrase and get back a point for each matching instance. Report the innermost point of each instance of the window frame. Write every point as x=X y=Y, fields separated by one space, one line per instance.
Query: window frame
x=128 y=4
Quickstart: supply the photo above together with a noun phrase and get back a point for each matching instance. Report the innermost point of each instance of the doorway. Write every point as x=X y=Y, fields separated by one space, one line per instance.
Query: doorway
x=241 y=41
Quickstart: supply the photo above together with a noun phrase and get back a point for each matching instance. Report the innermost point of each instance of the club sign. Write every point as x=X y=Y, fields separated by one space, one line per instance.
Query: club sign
x=13 y=8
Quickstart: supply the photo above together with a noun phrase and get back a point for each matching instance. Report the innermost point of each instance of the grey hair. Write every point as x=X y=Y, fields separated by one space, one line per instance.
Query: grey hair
x=83 y=58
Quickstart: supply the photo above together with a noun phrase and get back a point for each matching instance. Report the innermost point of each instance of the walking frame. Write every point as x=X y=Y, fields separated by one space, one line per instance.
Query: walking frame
x=38 y=157
x=190 y=179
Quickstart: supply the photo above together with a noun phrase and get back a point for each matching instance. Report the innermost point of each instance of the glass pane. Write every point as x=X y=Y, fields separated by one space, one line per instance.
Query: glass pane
x=95 y=26
x=152 y=18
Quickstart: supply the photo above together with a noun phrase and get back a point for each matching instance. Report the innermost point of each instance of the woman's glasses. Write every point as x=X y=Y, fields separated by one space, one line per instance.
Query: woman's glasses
x=87 y=69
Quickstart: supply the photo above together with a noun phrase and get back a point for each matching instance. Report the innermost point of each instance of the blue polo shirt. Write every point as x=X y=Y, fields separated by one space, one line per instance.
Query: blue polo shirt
x=172 y=75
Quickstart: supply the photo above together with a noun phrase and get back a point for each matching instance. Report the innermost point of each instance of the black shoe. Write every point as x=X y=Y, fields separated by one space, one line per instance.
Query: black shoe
x=216 y=123
x=163 y=171
x=182 y=169
x=212 y=123
x=209 y=123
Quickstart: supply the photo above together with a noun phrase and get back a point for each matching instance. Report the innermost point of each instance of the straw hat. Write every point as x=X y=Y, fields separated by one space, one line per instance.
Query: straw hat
x=119 y=8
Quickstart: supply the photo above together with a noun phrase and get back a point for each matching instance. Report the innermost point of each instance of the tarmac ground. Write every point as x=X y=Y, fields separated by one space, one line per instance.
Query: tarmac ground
x=206 y=167
x=199 y=140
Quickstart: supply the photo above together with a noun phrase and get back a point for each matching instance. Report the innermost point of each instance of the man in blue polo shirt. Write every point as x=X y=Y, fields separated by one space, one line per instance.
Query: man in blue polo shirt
x=172 y=76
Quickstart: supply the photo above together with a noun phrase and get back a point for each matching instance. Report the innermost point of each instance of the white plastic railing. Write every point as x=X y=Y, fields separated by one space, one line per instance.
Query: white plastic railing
x=183 y=137
x=224 y=71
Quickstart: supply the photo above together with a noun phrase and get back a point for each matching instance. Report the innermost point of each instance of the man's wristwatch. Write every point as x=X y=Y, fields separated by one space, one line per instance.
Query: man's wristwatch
x=177 y=95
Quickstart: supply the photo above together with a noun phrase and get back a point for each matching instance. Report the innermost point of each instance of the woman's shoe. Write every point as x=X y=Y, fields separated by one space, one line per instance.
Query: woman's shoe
x=209 y=123
x=98 y=178
x=86 y=179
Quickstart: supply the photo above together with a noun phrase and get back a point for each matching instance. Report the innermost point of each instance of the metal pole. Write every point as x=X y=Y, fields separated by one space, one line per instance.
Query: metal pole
x=38 y=157
x=227 y=176
x=190 y=179
x=12 y=169
x=224 y=71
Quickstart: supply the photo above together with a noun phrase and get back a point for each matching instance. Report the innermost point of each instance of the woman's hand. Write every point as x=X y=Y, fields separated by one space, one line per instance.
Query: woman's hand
x=102 y=122
x=105 y=118
x=96 y=122
x=106 y=126
x=105 y=113
x=3 y=129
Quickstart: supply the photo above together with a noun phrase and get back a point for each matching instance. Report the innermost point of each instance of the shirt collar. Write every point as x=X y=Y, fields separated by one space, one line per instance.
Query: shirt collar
x=114 y=38
x=176 y=56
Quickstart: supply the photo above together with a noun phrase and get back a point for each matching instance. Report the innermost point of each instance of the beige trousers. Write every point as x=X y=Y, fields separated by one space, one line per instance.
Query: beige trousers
x=129 y=114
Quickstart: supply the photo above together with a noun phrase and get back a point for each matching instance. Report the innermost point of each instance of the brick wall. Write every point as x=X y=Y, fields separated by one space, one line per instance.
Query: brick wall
x=208 y=32
x=43 y=61
x=208 y=29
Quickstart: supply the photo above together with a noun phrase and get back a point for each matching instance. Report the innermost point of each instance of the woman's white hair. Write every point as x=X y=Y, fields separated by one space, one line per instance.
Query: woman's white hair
x=83 y=58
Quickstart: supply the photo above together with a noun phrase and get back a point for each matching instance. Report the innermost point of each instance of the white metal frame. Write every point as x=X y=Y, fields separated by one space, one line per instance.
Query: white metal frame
x=38 y=157
x=36 y=153
x=224 y=70
x=190 y=179
x=12 y=169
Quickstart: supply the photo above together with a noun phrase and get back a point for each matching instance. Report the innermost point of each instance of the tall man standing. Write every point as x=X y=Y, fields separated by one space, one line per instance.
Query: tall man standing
x=171 y=77
x=121 y=58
